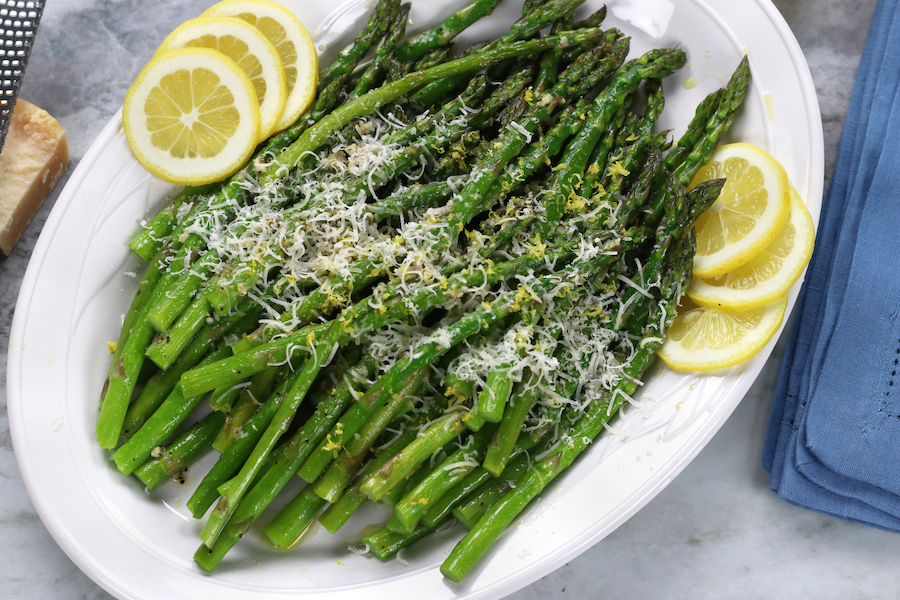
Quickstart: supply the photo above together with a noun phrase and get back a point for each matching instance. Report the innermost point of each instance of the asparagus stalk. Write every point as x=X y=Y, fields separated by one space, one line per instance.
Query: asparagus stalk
x=374 y=73
x=416 y=48
x=378 y=23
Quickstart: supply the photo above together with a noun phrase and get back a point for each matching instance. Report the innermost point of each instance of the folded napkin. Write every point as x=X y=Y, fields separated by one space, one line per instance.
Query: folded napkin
x=833 y=442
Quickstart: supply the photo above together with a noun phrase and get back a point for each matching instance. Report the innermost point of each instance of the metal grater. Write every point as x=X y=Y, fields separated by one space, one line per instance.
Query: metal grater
x=19 y=21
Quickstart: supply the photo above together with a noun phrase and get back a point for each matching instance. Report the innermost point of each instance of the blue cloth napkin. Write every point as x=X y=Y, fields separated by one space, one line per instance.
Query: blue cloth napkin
x=833 y=442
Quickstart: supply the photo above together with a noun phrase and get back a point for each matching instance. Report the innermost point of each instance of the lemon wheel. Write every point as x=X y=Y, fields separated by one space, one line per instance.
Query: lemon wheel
x=250 y=50
x=751 y=209
x=706 y=339
x=769 y=274
x=293 y=44
x=191 y=117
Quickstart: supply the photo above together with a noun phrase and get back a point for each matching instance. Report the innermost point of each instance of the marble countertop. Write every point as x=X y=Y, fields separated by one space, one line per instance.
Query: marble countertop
x=716 y=532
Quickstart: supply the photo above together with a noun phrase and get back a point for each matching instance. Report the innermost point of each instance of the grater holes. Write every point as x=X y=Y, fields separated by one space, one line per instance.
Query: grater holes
x=18 y=20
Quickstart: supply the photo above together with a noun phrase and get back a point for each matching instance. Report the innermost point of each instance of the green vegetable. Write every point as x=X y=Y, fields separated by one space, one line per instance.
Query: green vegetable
x=447 y=254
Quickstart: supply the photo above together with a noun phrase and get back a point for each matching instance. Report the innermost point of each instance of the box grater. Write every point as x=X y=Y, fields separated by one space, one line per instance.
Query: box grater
x=18 y=23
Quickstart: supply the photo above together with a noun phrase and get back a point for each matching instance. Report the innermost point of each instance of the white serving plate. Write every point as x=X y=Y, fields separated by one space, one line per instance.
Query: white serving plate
x=81 y=278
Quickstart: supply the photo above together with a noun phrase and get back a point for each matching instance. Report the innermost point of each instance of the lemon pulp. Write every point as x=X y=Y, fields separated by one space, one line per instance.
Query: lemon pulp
x=191 y=114
x=751 y=209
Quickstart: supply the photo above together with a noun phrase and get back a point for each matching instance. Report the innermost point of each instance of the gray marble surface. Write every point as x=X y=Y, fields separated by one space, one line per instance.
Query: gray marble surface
x=715 y=532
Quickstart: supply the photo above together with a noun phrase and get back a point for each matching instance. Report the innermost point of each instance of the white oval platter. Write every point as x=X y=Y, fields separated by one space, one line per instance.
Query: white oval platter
x=81 y=277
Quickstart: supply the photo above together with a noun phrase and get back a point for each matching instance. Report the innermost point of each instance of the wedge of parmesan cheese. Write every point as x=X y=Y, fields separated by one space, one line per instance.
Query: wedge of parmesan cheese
x=34 y=157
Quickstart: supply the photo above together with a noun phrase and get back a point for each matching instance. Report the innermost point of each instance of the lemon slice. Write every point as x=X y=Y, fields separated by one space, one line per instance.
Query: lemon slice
x=249 y=49
x=706 y=339
x=294 y=46
x=769 y=274
x=191 y=116
x=749 y=213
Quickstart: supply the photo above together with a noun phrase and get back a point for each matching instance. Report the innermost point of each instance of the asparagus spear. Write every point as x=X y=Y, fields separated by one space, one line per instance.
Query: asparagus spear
x=416 y=48
x=375 y=71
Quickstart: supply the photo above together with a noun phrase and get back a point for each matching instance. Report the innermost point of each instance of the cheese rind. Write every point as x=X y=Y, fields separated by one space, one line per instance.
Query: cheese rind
x=34 y=158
